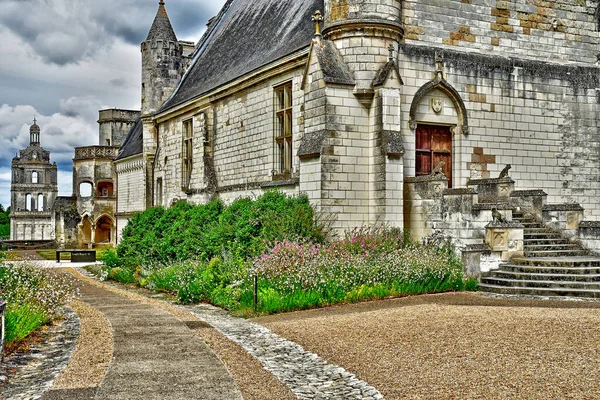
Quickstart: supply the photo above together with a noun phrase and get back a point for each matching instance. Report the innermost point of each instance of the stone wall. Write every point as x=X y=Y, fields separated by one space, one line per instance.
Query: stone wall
x=131 y=193
x=233 y=142
x=554 y=30
x=541 y=118
x=32 y=226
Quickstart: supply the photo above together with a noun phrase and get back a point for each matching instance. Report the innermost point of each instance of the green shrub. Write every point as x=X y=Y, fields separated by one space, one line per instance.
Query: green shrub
x=244 y=229
x=124 y=275
x=110 y=258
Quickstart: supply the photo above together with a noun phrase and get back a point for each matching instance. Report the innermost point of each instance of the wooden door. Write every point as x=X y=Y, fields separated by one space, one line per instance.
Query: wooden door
x=434 y=144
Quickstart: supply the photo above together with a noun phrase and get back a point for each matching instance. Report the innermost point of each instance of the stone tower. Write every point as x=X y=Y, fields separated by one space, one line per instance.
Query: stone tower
x=162 y=62
x=33 y=191
x=353 y=92
x=363 y=30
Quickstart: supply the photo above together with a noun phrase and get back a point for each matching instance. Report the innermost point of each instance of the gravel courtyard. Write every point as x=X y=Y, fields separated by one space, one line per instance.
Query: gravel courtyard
x=458 y=346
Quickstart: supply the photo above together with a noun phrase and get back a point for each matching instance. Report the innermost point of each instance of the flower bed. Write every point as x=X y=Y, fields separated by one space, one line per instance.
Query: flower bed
x=368 y=263
x=34 y=297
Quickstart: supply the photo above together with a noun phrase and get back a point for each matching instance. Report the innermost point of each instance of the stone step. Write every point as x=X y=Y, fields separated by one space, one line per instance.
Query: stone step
x=568 y=262
x=582 y=285
x=549 y=269
x=542 y=229
x=551 y=246
x=540 y=291
x=542 y=235
x=555 y=253
x=549 y=241
x=541 y=276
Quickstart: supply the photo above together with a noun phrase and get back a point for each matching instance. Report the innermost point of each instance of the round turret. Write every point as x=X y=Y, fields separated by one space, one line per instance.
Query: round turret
x=339 y=12
x=162 y=56
x=364 y=31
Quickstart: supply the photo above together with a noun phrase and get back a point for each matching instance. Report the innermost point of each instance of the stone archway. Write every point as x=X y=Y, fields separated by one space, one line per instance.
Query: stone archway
x=104 y=231
x=440 y=83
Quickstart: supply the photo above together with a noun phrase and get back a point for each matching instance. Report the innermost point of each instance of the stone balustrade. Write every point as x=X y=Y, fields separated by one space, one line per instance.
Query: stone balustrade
x=95 y=152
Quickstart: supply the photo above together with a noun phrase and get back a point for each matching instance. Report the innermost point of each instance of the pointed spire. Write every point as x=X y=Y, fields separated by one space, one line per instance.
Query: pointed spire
x=161 y=27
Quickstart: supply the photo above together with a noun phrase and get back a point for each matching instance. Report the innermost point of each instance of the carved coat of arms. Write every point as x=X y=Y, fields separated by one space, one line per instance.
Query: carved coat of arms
x=437 y=104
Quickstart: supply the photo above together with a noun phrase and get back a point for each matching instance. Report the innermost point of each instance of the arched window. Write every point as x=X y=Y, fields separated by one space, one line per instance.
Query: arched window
x=40 y=202
x=34 y=177
x=29 y=202
x=85 y=189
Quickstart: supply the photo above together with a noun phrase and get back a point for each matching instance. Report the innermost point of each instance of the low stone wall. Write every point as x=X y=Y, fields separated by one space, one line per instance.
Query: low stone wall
x=589 y=235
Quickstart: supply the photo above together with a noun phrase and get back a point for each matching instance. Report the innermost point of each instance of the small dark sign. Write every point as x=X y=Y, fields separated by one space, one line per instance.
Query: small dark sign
x=83 y=256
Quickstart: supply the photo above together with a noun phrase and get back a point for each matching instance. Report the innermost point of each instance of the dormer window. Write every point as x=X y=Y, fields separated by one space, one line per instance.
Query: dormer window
x=34 y=156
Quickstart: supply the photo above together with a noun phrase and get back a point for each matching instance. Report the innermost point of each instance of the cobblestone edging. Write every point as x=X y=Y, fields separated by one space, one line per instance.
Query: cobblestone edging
x=38 y=368
x=306 y=374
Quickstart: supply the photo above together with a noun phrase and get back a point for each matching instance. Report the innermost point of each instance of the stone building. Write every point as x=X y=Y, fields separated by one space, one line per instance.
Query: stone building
x=85 y=219
x=437 y=117
x=95 y=178
x=356 y=114
x=458 y=118
x=164 y=61
x=33 y=192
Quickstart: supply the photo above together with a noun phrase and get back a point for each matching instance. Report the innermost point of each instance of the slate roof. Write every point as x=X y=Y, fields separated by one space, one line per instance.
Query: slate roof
x=335 y=70
x=134 y=143
x=161 y=27
x=245 y=36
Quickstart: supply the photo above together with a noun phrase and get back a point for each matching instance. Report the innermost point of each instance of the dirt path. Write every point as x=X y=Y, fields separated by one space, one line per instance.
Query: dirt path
x=155 y=356
x=458 y=346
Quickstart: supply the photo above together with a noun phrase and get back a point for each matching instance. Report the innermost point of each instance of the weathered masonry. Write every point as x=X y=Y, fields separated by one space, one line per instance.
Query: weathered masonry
x=85 y=219
x=380 y=95
x=407 y=113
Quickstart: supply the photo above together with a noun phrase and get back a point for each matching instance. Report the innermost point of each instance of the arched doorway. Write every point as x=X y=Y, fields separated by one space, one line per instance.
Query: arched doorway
x=438 y=118
x=104 y=231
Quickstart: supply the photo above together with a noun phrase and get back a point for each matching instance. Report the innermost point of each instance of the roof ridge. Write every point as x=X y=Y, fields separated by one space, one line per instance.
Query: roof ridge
x=199 y=49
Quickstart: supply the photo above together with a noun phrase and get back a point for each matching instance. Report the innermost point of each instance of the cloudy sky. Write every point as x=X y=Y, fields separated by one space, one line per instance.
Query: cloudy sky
x=63 y=60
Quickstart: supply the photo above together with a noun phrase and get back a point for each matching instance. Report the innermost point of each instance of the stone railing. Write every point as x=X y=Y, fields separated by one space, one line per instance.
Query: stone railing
x=31 y=214
x=94 y=152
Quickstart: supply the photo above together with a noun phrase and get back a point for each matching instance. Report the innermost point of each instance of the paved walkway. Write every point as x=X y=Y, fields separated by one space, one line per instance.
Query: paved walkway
x=306 y=374
x=155 y=356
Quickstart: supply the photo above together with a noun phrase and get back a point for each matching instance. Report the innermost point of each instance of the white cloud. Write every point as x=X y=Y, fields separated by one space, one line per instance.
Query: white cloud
x=5 y=187
x=60 y=132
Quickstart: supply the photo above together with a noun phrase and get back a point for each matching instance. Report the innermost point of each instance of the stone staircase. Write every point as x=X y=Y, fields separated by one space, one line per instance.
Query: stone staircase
x=551 y=266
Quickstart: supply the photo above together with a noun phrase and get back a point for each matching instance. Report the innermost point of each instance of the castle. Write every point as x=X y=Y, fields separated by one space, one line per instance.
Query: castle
x=402 y=112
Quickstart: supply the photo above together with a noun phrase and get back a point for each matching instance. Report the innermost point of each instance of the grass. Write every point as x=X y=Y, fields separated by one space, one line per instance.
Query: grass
x=13 y=256
x=21 y=321
x=33 y=298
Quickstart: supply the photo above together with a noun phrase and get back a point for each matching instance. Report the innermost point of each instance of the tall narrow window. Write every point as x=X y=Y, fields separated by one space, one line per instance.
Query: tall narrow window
x=283 y=130
x=34 y=177
x=159 y=192
x=187 y=156
x=29 y=202
x=40 y=202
